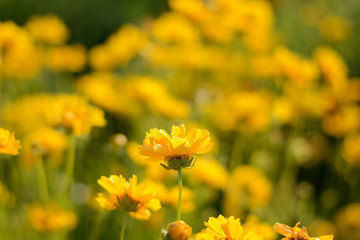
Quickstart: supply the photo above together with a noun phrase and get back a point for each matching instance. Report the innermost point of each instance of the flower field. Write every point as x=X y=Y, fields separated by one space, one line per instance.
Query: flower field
x=211 y=120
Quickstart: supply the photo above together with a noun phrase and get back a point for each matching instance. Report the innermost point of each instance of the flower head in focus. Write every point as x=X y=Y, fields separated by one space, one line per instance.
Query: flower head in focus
x=222 y=228
x=8 y=143
x=131 y=197
x=296 y=233
x=175 y=149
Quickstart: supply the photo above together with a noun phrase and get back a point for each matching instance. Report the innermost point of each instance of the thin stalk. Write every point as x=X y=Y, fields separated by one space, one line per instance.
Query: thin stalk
x=70 y=160
x=180 y=196
x=43 y=186
x=123 y=227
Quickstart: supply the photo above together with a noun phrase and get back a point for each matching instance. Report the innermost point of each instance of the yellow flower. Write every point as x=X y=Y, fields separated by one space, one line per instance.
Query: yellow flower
x=297 y=233
x=262 y=229
x=222 y=228
x=135 y=199
x=177 y=230
x=118 y=49
x=50 y=218
x=347 y=221
x=204 y=171
x=19 y=57
x=8 y=143
x=178 y=148
x=351 y=149
x=248 y=187
x=67 y=58
x=48 y=29
x=75 y=114
x=174 y=28
x=45 y=141
x=108 y=91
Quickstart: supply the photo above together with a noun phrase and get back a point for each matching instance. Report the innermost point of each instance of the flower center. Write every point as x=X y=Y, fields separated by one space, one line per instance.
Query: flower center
x=128 y=204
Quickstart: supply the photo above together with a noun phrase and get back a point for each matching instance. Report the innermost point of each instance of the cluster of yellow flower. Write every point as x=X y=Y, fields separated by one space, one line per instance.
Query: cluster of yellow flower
x=285 y=127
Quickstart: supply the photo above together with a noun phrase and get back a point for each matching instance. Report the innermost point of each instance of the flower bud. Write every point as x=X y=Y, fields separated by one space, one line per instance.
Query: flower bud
x=178 y=230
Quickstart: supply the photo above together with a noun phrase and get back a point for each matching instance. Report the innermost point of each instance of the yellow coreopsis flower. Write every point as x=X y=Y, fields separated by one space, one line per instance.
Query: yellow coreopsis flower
x=74 y=113
x=48 y=29
x=222 y=228
x=67 y=58
x=131 y=197
x=297 y=233
x=45 y=141
x=8 y=143
x=176 y=150
x=50 y=218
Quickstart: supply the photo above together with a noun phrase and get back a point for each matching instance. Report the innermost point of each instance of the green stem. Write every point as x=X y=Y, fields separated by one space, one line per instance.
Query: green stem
x=123 y=227
x=70 y=160
x=43 y=186
x=180 y=196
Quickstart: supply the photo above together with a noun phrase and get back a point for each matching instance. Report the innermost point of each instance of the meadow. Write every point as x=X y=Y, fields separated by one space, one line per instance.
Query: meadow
x=199 y=119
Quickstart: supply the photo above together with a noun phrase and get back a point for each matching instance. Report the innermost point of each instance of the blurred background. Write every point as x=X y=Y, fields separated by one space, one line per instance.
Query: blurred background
x=277 y=84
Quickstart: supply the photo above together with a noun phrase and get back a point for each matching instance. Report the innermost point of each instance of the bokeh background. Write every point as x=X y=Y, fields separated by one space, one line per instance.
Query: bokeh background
x=275 y=82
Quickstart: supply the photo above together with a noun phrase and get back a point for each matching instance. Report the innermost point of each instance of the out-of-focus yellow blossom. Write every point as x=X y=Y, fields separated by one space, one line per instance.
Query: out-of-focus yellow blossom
x=347 y=222
x=262 y=229
x=253 y=18
x=51 y=218
x=302 y=72
x=132 y=149
x=352 y=94
x=153 y=93
x=48 y=29
x=196 y=57
x=284 y=110
x=210 y=172
x=67 y=58
x=333 y=68
x=45 y=141
x=351 y=149
x=313 y=102
x=8 y=143
x=107 y=91
x=264 y=66
x=174 y=28
x=322 y=227
x=129 y=197
x=297 y=233
x=75 y=114
x=194 y=9
x=344 y=121
x=118 y=49
x=153 y=171
x=177 y=230
x=247 y=188
x=228 y=228
x=244 y=111
x=6 y=198
x=176 y=150
x=170 y=196
x=32 y=108
x=335 y=28
x=19 y=57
